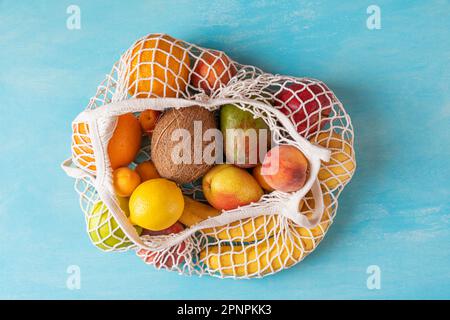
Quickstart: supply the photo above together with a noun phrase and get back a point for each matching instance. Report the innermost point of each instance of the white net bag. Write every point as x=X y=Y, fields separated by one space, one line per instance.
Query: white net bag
x=162 y=73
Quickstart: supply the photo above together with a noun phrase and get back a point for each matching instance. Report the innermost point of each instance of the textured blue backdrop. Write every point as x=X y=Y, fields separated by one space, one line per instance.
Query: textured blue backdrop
x=394 y=82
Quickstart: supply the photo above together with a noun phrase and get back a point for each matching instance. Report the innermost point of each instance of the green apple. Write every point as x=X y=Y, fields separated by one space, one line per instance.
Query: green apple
x=103 y=229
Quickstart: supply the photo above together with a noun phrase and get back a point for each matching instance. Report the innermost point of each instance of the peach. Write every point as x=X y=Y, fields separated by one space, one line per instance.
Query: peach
x=285 y=168
x=227 y=187
x=262 y=182
x=213 y=69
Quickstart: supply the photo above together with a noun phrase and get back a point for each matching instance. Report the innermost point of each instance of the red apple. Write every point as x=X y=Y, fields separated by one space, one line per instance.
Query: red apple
x=168 y=259
x=212 y=70
x=177 y=227
x=307 y=104
x=172 y=257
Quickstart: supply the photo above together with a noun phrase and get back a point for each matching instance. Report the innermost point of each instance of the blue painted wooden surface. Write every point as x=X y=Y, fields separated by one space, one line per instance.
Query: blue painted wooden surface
x=394 y=83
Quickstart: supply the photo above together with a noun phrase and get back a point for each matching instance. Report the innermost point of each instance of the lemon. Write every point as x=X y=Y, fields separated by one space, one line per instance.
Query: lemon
x=156 y=204
x=124 y=205
x=103 y=229
x=341 y=166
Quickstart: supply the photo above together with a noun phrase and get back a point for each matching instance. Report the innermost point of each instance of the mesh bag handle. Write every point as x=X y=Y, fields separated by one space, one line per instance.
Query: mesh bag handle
x=73 y=171
x=102 y=121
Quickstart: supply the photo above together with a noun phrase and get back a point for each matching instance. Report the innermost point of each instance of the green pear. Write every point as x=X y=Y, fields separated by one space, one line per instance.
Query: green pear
x=243 y=135
x=104 y=231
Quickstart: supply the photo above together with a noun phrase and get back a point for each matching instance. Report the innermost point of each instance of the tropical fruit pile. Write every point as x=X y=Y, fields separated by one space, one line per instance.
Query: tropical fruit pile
x=206 y=166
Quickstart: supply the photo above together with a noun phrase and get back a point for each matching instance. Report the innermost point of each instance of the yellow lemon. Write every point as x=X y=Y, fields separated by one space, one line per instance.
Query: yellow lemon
x=341 y=166
x=156 y=204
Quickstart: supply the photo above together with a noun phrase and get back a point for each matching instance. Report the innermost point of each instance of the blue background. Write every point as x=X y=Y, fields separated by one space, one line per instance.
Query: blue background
x=394 y=82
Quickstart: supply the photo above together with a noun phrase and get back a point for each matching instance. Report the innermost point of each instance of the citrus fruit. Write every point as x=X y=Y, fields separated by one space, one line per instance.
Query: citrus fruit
x=156 y=204
x=125 y=181
x=82 y=150
x=342 y=163
x=311 y=237
x=148 y=119
x=158 y=67
x=104 y=231
x=124 y=205
x=147 y=171
x=125 y=142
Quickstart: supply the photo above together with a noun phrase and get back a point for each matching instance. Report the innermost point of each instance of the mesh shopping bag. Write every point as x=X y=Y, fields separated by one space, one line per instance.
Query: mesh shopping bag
x=161 y=73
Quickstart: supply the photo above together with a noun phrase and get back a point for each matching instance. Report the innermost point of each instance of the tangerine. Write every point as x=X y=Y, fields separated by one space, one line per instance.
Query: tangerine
x=125 y=181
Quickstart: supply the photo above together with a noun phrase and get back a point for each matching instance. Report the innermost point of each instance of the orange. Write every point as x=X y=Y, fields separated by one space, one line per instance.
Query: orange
x=148 y=119
x=156 y=204
x=125 y=181
x=158 y=67
x=122 y=149
x=147 y=171
x=125 y=142
x=82 y=150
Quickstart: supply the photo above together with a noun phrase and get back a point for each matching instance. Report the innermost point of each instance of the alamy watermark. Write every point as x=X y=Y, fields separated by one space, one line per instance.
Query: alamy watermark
x=242 y=146
x=374 y=279
x=373 y=22
x=73 y=21
x=73 y=281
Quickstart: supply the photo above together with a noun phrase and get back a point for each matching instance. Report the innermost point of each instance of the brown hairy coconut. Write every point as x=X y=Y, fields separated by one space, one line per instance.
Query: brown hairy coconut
x=163 y=144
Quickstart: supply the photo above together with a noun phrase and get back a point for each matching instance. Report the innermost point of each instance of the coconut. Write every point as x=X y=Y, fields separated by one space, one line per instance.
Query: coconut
x=176 y=153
